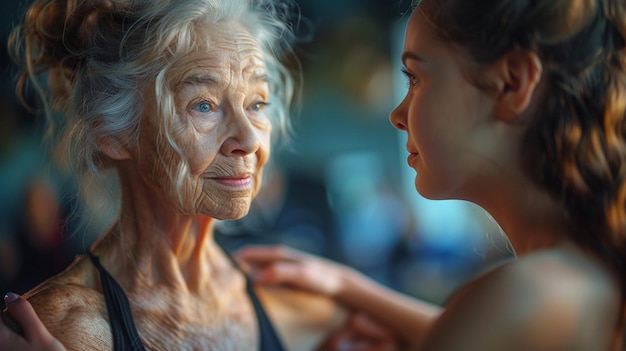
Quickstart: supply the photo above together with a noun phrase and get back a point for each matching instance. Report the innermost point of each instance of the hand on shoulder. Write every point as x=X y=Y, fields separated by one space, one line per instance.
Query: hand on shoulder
x=73 y=313
x=35 y=335
x=281 y=265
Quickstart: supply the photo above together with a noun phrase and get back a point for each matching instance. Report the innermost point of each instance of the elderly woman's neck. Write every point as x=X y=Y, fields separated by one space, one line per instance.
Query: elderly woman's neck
x=154 y=241
x=183 y=258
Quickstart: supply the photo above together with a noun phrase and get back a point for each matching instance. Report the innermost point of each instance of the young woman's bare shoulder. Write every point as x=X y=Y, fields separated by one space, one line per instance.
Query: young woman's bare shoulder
x=546 y=301
x=73 y=311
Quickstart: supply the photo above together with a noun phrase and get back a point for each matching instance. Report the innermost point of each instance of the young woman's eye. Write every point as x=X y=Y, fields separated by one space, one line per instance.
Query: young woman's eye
x=258 y=106
x=203 y=107
x=412 y=79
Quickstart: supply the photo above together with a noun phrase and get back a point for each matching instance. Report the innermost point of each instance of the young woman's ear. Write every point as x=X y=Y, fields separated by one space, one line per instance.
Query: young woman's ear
x=113 y=148
x=519 y=73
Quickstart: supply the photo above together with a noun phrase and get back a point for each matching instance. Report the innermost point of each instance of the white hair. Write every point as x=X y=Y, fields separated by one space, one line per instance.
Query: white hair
x=94 y=88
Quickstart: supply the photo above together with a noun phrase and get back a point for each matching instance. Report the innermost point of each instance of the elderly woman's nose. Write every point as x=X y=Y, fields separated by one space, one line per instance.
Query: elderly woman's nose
x=243 y=137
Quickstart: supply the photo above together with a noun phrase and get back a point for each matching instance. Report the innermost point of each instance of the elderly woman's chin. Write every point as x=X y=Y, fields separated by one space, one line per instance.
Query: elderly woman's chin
x=235 y=209
x=232 y=208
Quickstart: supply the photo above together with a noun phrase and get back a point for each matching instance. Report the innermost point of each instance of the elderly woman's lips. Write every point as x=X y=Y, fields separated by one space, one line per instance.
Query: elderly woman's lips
x=242 y=181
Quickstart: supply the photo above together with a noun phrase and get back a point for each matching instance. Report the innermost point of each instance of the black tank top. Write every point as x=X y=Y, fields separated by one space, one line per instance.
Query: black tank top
x=125 y=336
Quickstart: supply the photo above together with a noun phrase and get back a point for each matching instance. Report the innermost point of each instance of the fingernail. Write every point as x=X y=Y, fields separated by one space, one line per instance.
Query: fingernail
x=10 y=297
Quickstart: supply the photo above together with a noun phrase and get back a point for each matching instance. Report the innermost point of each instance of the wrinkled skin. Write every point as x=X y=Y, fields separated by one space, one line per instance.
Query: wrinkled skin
x=221 y=129
x=184 y=291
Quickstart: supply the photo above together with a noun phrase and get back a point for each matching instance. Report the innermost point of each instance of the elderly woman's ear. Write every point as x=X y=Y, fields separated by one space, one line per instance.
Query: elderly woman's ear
x=113 y=148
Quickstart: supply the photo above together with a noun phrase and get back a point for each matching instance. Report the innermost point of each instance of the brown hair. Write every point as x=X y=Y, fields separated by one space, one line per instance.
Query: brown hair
x=576 y=147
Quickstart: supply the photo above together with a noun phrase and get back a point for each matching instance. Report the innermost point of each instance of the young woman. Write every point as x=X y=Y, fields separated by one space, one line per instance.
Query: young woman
x=519 y=107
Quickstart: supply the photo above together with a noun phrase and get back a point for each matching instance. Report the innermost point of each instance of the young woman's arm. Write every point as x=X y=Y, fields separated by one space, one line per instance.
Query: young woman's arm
x=277 y=265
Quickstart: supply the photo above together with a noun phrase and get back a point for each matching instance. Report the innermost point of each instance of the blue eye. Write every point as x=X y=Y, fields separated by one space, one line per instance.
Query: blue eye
x=258 y=106
x=203 y=107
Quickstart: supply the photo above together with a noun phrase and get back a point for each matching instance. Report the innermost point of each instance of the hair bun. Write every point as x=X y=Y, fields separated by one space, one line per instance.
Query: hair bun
x=63 y=28
x=57 y=33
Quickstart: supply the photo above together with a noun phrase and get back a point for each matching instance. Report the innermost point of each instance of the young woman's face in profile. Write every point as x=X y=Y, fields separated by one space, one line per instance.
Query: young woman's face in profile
x=221 y=127
x=442 y=114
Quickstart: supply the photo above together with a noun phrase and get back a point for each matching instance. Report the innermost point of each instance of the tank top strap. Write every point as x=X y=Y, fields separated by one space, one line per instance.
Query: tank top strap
x=269 y=340
x=125 y=335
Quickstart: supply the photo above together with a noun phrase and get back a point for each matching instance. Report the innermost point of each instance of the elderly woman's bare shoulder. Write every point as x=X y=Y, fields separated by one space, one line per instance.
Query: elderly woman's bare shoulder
x=302 y=319
x=73 y=311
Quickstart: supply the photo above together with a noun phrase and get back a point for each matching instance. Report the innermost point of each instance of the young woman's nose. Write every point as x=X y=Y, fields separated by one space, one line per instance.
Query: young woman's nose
x=398 y=116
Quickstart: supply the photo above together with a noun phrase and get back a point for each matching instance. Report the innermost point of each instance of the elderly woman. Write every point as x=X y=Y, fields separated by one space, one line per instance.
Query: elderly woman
x=176 y=100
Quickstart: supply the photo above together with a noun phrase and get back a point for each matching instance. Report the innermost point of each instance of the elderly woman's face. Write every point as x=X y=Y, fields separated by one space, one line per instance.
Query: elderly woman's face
x=221 y=127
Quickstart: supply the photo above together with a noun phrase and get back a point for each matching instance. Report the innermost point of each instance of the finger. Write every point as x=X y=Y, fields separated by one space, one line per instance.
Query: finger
x=339 y=340
x=349 y=342
x=10 y=322
x=22 y=311
x=9 y=340
x=254 y=254
x=281 y=273
x=264 y=254
x=365 y=325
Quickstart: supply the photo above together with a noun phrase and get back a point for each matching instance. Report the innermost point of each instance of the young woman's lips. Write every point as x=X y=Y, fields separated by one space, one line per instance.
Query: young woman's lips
x=240 y=181
x=412 y=158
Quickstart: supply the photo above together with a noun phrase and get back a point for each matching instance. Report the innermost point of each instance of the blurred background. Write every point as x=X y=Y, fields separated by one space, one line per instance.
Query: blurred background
x=341 y=189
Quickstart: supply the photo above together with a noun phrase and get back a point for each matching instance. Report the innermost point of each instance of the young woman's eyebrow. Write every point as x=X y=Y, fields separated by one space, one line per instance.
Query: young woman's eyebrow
x=408 y=55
